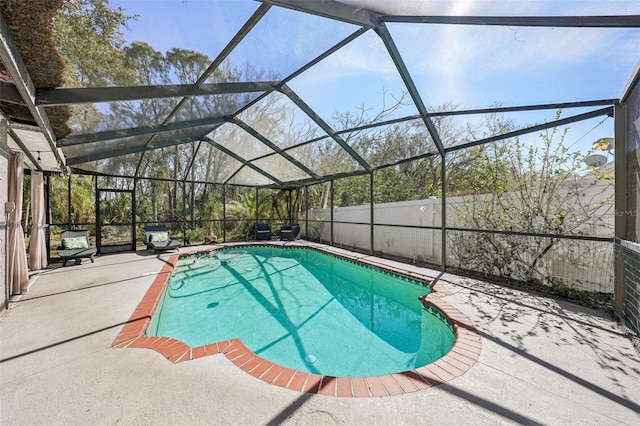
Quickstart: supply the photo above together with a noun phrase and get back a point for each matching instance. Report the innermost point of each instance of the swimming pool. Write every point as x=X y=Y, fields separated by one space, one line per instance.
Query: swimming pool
x=303 y=309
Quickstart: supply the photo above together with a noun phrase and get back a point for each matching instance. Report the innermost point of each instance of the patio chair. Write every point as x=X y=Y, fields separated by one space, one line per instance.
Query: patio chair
x=157 y=239
x=75 y=246
x=263 y=231
x=290 y=233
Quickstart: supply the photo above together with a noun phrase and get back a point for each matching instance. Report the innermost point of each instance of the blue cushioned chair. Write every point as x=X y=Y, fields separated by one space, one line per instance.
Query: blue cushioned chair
x=263 y=231
x=290 y=233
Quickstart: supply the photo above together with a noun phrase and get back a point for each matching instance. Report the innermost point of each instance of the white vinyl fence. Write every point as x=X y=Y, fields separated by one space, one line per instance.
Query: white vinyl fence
x=412 y=230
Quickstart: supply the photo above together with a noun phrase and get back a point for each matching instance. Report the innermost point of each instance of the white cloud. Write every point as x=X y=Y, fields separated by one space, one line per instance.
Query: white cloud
x=452 y=62
x=364 y=57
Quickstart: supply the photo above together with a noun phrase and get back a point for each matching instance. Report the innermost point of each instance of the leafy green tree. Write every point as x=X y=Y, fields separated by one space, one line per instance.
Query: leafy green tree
x=82 y=200
x=421 y=178
x=351 y=191
x=332 y=158
x=88 y=34
x=89 y=37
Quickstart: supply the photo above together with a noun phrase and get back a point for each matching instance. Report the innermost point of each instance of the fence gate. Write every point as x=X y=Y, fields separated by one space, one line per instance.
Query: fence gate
x=115 y=231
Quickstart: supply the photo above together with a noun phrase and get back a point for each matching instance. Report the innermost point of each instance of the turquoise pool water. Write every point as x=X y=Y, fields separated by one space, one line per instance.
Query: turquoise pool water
x=303 y=309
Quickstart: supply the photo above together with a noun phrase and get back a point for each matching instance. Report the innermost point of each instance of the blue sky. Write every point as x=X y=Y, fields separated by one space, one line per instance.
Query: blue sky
x=469 y=66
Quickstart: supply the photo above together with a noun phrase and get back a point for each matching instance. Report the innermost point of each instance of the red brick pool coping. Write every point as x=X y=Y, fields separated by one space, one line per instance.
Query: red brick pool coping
x=462 y=356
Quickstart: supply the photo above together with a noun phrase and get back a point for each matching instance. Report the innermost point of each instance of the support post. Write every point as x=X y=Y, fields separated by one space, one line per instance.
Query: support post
x=290 y=207
x=443 y=178
x=47 y=214
x=98 y=215
x=306 y=215
x=371 y=213
x=331 y=210
x=621 y=205
x=257 y=195
x=69 y=201
x=134 y=212
x=224 y=213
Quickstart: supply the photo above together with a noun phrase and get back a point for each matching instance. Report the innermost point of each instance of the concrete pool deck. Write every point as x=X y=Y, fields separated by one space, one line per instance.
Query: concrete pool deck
x=543 y=361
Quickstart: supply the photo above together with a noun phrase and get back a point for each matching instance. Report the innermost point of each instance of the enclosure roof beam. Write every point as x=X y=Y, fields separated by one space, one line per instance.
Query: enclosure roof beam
x=493 y=110
x=326 y=178
x=187 y=170
x=9 y=93
x=233 y=43
x=12 y=61
x=407 y=160
x=613 y=21
x=138 y=131
x=323 y=125
x=23 y=147
x=131 y=150
x=532 y=129
x=633 y=80
x=101 y=136
x=557 y=105
x=329 y=9
x=244 y=162
x=326 y=54
x=178 y=125
x=279 y=185
x=84 y=95
x=384 y=34
x=157 y=179
x=244 y=126
x=305 y=67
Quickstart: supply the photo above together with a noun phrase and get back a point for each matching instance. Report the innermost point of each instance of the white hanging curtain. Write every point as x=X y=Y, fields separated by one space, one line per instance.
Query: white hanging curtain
x=17 y=274
x=37 y=245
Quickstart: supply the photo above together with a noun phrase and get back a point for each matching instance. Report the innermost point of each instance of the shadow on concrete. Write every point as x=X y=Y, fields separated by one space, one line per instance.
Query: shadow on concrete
x=71 y=339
